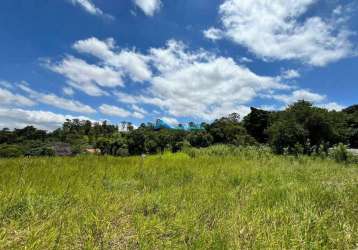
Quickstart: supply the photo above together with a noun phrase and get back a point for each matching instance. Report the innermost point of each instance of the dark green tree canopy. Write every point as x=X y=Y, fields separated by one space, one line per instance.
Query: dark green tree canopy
x=301 y=128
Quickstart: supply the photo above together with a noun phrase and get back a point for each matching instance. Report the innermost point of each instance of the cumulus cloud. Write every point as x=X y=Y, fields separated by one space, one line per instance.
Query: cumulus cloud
x=138 y=115
x=149 y=7
x=282 y=30
x=126 y=61
x=114 y=111
x=183 y=82
x=68 y=91
x=126 y=98
x=290 y=74
x=19 y=118
x=332 y=106
x=306 y=95
x=90 y=7
x=87 y=77
x=113 y=67
x=139 y=109
x=298 y=95
x=11 y=99
x=123 y=113
x=213 y=34
x=202 y=85
x=89 y=88
x=58 y=102
x=179 y=81
x=199 y=84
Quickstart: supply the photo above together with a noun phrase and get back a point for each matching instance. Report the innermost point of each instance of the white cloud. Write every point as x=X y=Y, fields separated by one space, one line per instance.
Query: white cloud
x=96 y=47
x=179 y=81
x=58 y=102
x=213 y=34
x=192 y=83
x=90 y=7
x=19 y=118
x=87 y=77
x=89 y=88
x=124 y=61
x=119 y=112
x=10 y=99
x=138 y=112
x=290 y=74
x=126 y=98
x=149 y=7
x=306 y=95
x=138 y=115
x=245 y=60
x=6 y=84
x=134 y=64
x=113 y=111
x=68 y=91
x=298 y=95
x=268 y=107
x=139 y=109
x=332 y=106
x=170 y=121
x=174 y=56
x=109 y=72
x=280 y=29
x=198 y=84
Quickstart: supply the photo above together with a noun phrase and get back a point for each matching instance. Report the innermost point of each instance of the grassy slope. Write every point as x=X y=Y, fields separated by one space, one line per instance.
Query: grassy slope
x=174 y=202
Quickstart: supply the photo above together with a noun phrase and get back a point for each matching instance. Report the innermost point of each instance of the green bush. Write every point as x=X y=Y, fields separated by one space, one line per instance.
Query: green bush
x=340 y=153
x=287 y=137
x=41 y=151
x=10 y=151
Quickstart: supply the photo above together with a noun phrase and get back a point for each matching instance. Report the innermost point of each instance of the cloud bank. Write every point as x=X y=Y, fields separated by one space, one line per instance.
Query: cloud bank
x=284 y=30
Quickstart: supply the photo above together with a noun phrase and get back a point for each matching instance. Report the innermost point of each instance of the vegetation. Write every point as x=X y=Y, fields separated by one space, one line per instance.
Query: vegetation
x=300 y=129
x=225 y=187
x=221 y=197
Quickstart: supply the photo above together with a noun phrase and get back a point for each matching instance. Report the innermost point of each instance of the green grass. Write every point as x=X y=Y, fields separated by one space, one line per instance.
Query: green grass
x=177 y=202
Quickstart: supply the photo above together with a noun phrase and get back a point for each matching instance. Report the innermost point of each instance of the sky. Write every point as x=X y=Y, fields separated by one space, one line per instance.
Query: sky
x=177 y=60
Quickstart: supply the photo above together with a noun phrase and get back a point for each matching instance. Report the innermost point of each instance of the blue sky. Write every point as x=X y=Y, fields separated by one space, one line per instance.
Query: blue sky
x=179 y=60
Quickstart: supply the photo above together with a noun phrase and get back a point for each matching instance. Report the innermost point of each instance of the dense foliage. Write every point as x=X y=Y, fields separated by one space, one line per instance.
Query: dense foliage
x=299 y=129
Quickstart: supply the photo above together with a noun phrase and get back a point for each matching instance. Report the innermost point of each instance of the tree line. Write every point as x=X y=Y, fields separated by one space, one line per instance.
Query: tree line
x=299 y=129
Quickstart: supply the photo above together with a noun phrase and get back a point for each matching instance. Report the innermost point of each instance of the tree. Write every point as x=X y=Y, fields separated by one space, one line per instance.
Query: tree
x=256 y=124
x=352 y=123
x=30 y=133
x=314 y=127
x=136 y=142
x=285 y=135
x=200 y=139
x=228 y=130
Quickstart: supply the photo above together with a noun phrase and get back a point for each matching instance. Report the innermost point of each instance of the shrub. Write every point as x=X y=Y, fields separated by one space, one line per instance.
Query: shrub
x=116 y=147
x=200 y=139
x=286 y=136
x=340 y=153
x=41 y=151
x=320 y=151
x=10 y=151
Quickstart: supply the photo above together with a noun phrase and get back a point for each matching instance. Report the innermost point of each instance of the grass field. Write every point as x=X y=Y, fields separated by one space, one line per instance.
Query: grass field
x=178 y=202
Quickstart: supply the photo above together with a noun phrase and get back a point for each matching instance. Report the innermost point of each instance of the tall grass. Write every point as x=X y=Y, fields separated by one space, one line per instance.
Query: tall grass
x=248 y=199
